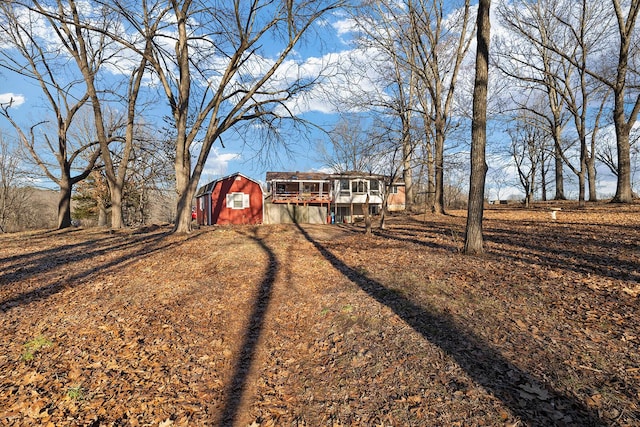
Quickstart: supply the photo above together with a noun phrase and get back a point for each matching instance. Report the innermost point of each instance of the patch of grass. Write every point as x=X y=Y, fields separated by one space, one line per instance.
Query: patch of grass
x=75 y=393
x=32 y=347
x=347 y=308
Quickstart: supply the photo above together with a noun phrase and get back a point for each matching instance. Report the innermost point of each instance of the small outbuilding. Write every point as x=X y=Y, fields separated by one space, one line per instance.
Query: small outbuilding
x=233 y=199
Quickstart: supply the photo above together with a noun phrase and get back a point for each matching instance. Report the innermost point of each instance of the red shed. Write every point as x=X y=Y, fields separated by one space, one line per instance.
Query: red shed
x=234 y=199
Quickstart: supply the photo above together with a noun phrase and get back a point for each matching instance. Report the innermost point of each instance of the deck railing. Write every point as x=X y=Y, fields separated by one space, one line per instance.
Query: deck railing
x=297 y=197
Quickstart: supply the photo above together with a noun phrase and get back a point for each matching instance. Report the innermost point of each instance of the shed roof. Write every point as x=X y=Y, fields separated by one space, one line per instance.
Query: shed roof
x=208 y=188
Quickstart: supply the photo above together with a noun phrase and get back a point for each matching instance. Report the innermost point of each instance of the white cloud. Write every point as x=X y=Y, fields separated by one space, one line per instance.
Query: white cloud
x=217 y=165
x=16 y=99
x=345 y=26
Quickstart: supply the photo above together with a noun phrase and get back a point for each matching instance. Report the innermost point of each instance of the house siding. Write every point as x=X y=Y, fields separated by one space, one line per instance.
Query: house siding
x=396 y=201
x=338 y=197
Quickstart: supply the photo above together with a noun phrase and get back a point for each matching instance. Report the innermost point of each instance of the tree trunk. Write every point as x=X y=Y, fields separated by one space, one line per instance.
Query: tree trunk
x=622 y=124
x=407 y=176
x=543 y=181
x=385 y=206
x=582 y=177
x=592 y=178
x=431 y=185
x=473 y=243
x=438 y=200
x=183 y=215
x=102 y=213
x=117 y=220
x=367 y=217
x=186 y=186
x=559 y=164
x=64 y=204
x=623 y=186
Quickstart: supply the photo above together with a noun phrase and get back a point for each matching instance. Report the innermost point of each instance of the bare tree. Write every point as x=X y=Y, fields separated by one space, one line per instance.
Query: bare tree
x=216 y=72
x=352 y=147
x=527 y=149
x=556 y=44
x=33 y=57
x=13 y=198
x=424 y=43
x=473 y=243
x=382 y=26
x=524 y=57
x=439 y=52
x=82 y=32
x=620 y=76
x=623 y=118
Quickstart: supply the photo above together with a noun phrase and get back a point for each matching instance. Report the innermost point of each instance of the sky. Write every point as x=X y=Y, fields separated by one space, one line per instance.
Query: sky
x=235 y=156
x=333 y=46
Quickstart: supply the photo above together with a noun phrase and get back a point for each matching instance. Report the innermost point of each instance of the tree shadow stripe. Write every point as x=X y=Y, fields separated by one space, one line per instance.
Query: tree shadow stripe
x=484 y=364
x=238 y=384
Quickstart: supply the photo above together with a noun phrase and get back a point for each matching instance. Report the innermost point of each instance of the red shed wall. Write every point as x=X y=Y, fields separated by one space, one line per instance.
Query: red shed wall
x=220 y=214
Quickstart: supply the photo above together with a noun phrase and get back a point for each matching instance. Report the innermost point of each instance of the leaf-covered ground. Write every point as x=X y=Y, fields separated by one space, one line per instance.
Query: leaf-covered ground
x=320 y=325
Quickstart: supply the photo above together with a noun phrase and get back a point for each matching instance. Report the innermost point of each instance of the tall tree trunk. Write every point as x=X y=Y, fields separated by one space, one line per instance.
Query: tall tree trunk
x=185 y=187
x=622 y=124
x=117 y=219
x=64 y=203
x=367 y=217
x=473 y=243
x=438 y=199
x=102 y=213
x=559 y=164
x=407 y=174
x=623 y=185
x=592 y=178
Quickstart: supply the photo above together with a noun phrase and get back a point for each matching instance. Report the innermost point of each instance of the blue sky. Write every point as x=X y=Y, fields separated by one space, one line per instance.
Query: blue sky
x=235 y=156
x=30 y=107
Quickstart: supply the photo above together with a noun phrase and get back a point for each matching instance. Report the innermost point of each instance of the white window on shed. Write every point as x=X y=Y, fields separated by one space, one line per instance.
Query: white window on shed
x=237 y=200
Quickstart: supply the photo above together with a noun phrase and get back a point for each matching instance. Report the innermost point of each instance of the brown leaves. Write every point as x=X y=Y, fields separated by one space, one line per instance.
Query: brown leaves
x=149 y=329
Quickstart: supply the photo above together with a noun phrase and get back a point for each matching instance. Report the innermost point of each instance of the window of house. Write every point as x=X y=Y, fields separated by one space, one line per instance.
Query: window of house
x=394 y=189
x=375 y=186
x=310 y=187
x=359 y=186
x=237 y=201
x=344 y=185
x=280 y=188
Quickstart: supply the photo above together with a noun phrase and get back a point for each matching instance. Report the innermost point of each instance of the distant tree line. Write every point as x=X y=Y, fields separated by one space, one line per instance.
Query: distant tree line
x=563 y=92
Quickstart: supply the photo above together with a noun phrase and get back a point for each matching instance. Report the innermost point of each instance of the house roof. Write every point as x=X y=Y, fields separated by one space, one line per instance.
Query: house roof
x=208 y=188
x=297 y=176
x=318 y=176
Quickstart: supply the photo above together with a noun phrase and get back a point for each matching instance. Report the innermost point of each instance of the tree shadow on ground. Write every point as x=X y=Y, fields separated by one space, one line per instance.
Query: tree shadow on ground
x=484 y=365
x=253 y=331
x=23 y=266
x=571 y=253
x=540 y=246
x=130 y=250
